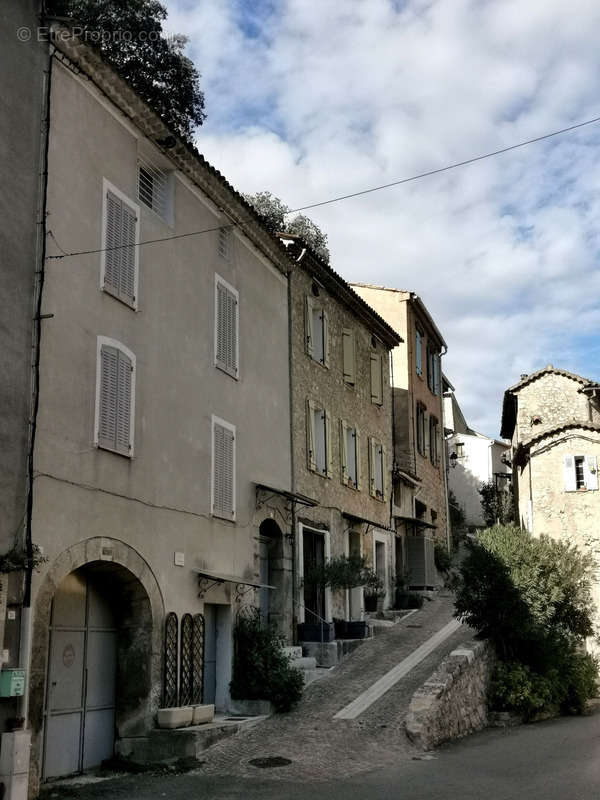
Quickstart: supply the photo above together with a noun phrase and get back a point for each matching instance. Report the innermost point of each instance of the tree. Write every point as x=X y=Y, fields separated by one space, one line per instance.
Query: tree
x=496 y=504
x=274 y=212
x=130 y=37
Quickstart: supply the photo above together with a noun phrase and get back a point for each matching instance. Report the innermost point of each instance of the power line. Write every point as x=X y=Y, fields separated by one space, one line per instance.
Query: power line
x=137 y=244
x=446 y=168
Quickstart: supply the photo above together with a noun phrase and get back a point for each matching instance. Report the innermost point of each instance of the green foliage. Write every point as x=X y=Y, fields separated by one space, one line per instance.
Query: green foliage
x=342 y=572
x=274 y=212
x=130 y=37
x=497 y=505
x=261 y=670
x=16 y=560
x=532 y=598
x=442 y=558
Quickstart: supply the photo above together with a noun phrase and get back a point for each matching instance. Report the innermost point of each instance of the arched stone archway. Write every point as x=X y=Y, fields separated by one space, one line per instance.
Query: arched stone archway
x=276 y=571
x=139 y=607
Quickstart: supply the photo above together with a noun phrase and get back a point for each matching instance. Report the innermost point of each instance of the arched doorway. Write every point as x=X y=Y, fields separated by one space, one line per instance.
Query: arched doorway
x=98 y=669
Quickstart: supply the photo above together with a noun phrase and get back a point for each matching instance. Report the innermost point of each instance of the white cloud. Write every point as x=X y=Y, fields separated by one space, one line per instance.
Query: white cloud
x=314 y=100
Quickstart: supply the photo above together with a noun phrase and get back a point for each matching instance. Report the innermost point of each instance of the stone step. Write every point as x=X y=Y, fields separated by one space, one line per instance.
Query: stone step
x=293 y=651
x=304 y=662
x=311 y=675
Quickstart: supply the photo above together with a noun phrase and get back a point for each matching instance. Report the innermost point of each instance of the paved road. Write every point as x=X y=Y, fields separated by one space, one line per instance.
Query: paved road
x=555 y=760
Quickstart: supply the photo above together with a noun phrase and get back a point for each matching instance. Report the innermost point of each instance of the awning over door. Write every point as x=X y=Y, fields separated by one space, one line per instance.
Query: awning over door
x=416 y=521
x=219 y=577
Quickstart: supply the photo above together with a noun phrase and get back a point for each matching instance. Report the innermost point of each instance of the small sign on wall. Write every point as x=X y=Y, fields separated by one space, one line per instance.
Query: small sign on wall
x=179 y=559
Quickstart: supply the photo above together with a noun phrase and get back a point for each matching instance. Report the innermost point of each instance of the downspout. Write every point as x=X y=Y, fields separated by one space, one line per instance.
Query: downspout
x=445 y=469
x=394 y=465
x=25 y=638
x=294 y=540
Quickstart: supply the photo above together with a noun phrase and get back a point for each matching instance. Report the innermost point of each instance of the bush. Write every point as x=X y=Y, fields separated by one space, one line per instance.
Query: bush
x=532 y=598
x=261 y=670
x=443 y=559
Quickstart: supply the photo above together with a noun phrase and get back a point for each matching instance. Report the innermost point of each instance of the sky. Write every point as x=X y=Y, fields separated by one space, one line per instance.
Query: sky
x=311 y=99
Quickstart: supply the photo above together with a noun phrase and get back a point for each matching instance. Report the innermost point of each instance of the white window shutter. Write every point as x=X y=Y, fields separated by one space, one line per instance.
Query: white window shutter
x=328 y=448
x=344 y=451
x=325 y=339
x=123 y=411
x=112 y=239
x=127 y=283
x=107 y=417
x=590 y=468
x=308 y=326
x=223 y=477
x=221 y=332
x=418 y=352
x=569 y=473
x=310 y=435
x=385 y=487
x=348 y=356
x=358 y=470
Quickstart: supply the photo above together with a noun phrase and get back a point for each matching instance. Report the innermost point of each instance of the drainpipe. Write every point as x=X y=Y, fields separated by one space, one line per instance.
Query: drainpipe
x=294 y=540
x=25 y=640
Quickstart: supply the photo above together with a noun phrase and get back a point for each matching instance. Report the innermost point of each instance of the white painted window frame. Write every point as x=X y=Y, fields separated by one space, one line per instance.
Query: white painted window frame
x=105 y=340
x=107 y=186
x=217 y=514
x=327 y=548
x=220 y=280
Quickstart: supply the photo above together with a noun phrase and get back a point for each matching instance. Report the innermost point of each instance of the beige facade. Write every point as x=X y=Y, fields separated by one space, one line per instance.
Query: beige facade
x=420 y=480
x=347 y=382
x=169 y=516
x=553 y=420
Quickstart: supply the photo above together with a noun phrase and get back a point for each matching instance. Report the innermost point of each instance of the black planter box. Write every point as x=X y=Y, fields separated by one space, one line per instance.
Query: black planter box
x=370 y=602
x=311 y=632
x=356 y=629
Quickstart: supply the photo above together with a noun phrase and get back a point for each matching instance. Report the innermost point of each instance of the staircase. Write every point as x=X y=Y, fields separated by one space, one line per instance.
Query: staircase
x=306 y=664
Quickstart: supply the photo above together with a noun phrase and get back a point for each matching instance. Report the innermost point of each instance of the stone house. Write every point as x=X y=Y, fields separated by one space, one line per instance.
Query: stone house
x=552 y=419
x=162 y=450
x=473 y=459
x=420 y=491
x=341 y=432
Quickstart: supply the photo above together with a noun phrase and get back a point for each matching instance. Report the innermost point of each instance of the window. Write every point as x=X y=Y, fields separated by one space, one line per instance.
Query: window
x=376 y=379
x=318 y=428
x=154 y=187
x=350 y=452
x=421 y=428
x=460 y=449
x=115 y=397
x=120 y=233
x=317 y=333
x=580 y=473
x=377 y=459
x=349 y=356
x=224 y=243
x=433 y=371
x=226 y=327
x=419 y=351
x=223 y=471
x=434 y=453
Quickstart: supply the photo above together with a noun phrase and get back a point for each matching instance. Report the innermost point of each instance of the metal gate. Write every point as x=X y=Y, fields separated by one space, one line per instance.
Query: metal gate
x=185 y=661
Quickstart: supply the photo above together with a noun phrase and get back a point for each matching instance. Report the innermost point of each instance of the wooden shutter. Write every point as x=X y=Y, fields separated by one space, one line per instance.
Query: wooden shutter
x=310 y=435
x=384 y=482
x=436 y=373
x=376 y=379
x=227 y=330
x=308 y=326
x=127 y=283
x=590 y=471
x=325 y=318
x=107 y=416
x=223 y=478
x=112 y=241
x=372 y=461
x=358 y=470
x=348 y=356
x=569 y=473
x=123 y=410
x=344 y=451
x=328 y=447
x=418 y=351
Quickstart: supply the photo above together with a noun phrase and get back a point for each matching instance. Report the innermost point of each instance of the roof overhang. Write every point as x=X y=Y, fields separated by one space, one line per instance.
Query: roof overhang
x=357 y=518
x=420 y=523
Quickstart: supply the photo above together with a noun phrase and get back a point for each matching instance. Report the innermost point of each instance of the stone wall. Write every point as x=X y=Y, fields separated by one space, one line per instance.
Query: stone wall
x=453 y=702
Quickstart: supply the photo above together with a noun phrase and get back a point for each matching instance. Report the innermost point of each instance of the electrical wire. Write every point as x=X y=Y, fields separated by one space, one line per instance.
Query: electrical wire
x=446 y=168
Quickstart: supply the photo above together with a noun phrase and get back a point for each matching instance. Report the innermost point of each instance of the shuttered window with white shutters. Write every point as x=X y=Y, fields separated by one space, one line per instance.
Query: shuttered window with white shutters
x=115 y=397
x=119 y=270
x=223 y=483
x=580 y=473
x=226 y=327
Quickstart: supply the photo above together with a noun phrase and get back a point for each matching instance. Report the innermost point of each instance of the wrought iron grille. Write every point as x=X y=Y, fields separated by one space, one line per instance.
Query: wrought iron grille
x=185 y=661
x=170 y=665
x=198 y=659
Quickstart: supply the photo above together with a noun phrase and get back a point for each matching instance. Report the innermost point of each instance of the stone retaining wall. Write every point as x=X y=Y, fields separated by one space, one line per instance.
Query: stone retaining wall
x=453 y=702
